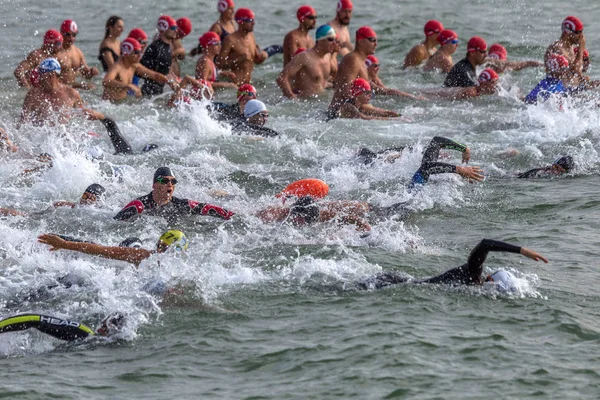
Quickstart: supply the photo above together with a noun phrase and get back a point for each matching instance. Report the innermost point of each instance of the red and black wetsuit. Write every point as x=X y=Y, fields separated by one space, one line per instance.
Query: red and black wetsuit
x=173 y=210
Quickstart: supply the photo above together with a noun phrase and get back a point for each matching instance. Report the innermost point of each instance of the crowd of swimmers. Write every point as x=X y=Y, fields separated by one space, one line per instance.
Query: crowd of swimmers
x=141 y=66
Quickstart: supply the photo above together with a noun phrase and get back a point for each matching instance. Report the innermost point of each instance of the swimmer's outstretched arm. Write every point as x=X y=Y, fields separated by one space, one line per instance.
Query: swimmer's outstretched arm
x=131 y=255
x=432 y=152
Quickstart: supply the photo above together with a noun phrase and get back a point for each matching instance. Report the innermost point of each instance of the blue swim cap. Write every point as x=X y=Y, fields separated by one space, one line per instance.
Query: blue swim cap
x=49 y=65
x=324 y=32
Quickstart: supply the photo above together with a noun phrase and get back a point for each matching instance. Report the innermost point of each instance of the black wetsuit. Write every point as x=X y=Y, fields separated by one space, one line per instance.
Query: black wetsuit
x=470 y=273
x=335 y=112
x=172 y=211
x=368 y=156
x=430 y=166
x=158 y=58
x=101 y=58
x=242 y=127
x=462 y=74
x=59 y=328
x=118 y=141
x=225 y=112
x=535 y=173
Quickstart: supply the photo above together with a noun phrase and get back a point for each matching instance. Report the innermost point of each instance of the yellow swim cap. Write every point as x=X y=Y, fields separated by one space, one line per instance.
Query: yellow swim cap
x=172 y=239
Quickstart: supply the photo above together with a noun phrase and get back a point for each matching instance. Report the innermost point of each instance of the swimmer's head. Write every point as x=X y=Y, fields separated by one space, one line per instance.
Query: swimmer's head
x=564 y=164
x=315 y=188
x=361 y=90
x=48 y=65
x=69 y=30
x=184 y=27
x=111 y=324
x=448 y=37
x=497 y=52
x=209 y=39
x=307 y=16
x=246 y=92
x=245 y=19
x=172 y=239
x=92 y=194
x=163 y=185
x=372 y=63
x=477 y=50
x=256 y=112
x=131 y=242
x=131 y=47
x=325 y=32
x=225 y=6
x=367 y=39
x=572 y=26
x=304 y=211
x=139 y=35
x=168 y=26
x=53 y=40
x=487 y=80
x=344 y=11
x=504 y=281
x=433 y=28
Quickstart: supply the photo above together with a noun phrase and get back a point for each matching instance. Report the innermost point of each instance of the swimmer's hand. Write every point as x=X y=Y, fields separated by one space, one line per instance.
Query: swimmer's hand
x=55 y=242
x=466 y=156
x=533 y=255
x=93 y=115
x=471 y=173
x=137 y=92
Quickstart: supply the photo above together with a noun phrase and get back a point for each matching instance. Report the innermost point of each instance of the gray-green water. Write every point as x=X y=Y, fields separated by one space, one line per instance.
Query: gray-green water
x=293 y=325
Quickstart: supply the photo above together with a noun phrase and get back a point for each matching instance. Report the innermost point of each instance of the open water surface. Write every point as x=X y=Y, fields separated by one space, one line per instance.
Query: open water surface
x=270 y=311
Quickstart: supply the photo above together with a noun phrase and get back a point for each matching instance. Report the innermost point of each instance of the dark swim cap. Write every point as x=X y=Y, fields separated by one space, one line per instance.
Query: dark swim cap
x=566 y=162
x=95 y=189
x=305 y=208
x=132 y=242
x=163 y=171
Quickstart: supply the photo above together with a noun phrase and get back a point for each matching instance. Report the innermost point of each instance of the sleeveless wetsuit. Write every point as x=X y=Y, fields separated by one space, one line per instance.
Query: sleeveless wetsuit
x=470 y=273
x=172 y=211
x=101 y=58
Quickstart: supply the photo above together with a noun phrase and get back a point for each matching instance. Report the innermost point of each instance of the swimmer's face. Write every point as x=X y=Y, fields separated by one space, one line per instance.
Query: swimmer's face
x=164 y=187
x=228 y=14
x=310 y=22
x=88 y=199
x=479 y=56
x=259 y=119
x=117 y=28
x=488 y=87
x=56 y=47
x=365 y=97
x=171 y=33
x=69 y=37
x=558 y=169
x=344 y=16
x=246 y=26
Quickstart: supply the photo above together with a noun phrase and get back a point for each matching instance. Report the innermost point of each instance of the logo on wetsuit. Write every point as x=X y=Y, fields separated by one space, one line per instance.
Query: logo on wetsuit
x=59 y=322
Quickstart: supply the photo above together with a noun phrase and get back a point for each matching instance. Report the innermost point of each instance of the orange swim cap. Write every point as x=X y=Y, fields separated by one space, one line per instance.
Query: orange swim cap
x=312 y=187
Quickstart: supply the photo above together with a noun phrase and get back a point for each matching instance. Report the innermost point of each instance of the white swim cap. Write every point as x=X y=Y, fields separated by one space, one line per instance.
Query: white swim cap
x=253 y=107
x=504 y=281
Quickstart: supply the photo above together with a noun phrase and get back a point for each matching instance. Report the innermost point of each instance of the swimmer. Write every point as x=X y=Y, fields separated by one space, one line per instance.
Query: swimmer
x=139 y=35
x=306 y=75
x=206 y=68
x=118 y=82
x=225 y=25
x=389 y=155
x=307 y=17
x=426 y=49
x=470 y=273
x=184 y=27
x=312 y=187
x=496 y=60
x=373 y=66
x=255 y=117
x=340 y=24
x=487 y=83
x=161 y=202
x=229 y=112
x=463 y=73
x=430 y=165
x=90 y=197
x=158 y=57
x=554 y=83
x=52 y=44
x=71 y=59
x=561 y=166
x=572 y=36
x=359 y=107
x=352 y=67
x=239 y=51
x=171 y=239
x=110 y=47
x=442 y=60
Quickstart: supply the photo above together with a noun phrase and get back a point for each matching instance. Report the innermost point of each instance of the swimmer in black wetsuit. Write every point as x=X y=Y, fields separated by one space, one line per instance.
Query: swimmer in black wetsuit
x=232 y=112
x=161 y=202
x=90 y=196
x=256 y=115
x=158 y=55
x=389 y=155
x=561 y=166
x=59 y=328
x=470 y=273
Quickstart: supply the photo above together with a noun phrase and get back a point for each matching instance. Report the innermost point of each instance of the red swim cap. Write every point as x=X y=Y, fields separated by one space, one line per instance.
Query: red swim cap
x=365 y=32
x=209 y=39
x=52 y=36
x=304 y=12
x=476 y=44
x=497 y=51
x=244 y=13
x=165 y=22
x=68 y=26
x=223 y=5
x=138 y=34
x=432 y=27
x=586 y=54
x=556 y=62
x=371 y=60
x=184 y=26
x=312 y=187
x=344 y=5
x=245 y=88
x=572 y=24
x=360 y=86
x=130 y=45
x=446 y=36
x=487 y=75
